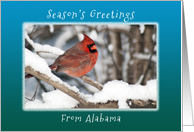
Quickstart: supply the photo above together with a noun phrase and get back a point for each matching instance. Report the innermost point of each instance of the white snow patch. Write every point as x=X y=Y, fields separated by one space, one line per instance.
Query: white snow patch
x=80 y=36
x=51 y=28
x=155 y=48
x=142 y=28
x=110 y=47
x=34 y=104
x=28 y=28
x=54 y=99
x=146 y=50
x=121 y=27
x=93 y=35
x=145 y=56
x=121 y=91
x=154 y=37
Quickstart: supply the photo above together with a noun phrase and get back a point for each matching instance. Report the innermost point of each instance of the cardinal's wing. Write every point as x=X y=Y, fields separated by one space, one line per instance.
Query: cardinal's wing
x=67 y=61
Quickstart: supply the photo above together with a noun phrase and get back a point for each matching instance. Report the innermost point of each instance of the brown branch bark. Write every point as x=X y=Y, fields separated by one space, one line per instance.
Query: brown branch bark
x=88 y=80
x=142 y=104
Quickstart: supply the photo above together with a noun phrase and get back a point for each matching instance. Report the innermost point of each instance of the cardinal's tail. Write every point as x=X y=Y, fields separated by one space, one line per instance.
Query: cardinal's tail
x=28 y=76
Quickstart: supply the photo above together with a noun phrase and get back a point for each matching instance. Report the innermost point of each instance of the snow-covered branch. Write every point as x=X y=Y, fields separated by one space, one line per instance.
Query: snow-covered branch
x=43 y=48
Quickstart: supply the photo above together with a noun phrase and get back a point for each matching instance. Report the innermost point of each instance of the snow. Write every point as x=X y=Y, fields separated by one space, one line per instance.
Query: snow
x=28 y=28
x=80 y=36
x=154 y=37
x=54 y=99
x=145 y=56
x=120 y=27
x=44 y=48
x=155 y=48
x=121 y=91
x=94 y=35
x=51 y=28
x=36 y=62
x=113 y=90
x=110 y=47
x=141 y=28
x=146 y=50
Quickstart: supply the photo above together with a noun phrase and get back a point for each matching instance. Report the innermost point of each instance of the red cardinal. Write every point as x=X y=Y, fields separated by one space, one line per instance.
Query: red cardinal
x=78 y=60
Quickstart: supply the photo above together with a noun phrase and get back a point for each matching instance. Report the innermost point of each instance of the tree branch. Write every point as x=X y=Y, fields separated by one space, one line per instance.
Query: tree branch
x=88 y=80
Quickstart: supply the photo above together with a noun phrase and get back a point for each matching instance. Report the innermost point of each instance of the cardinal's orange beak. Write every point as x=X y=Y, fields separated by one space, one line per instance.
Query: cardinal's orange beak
x=93 y=47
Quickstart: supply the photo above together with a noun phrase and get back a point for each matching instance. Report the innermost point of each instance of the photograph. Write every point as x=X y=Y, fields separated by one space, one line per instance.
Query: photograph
x=94 y=66
x=90 y=66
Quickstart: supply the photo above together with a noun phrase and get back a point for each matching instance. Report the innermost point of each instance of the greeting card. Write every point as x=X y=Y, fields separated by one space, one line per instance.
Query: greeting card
x=92 y=66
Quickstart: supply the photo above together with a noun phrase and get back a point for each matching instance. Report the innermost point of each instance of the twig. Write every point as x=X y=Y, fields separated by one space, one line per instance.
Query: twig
x=148 y=66
x=88 y=80
x=34 y=96
x=41 y=85
x=38 y=52
x=95 y=74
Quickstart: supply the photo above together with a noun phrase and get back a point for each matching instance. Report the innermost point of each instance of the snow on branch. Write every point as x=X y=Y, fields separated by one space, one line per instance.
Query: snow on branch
x=145 y=56
x=43 y=48
x=121 y=91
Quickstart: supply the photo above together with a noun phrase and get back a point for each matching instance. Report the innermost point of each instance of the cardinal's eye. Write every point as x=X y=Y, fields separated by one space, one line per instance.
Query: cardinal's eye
x=90 y=45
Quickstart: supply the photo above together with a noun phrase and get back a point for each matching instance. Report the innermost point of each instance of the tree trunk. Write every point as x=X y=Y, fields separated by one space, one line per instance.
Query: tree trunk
x=136 y=46
x=117 y=55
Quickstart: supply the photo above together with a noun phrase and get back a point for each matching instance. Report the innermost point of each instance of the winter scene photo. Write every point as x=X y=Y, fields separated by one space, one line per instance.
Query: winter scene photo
x=90 y=66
